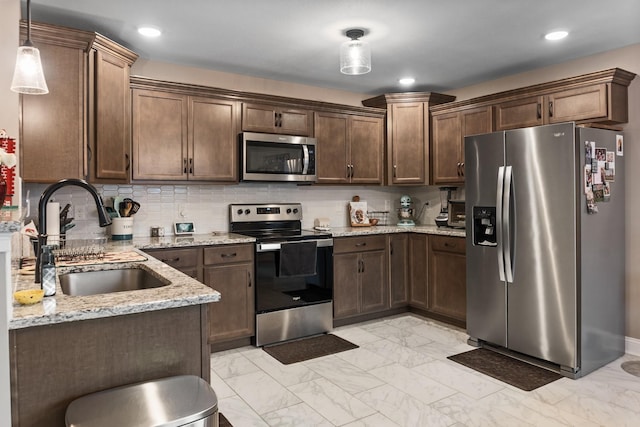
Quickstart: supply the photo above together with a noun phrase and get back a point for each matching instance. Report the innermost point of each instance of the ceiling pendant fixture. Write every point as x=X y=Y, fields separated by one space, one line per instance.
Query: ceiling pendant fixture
x=355 y=55
x=28 y=77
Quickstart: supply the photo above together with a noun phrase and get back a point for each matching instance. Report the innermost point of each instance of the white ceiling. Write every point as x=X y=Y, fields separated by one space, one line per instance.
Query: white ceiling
x=444 y=44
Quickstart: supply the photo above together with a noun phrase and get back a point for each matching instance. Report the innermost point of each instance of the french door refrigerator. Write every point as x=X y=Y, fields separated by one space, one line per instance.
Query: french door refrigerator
x=545 y=274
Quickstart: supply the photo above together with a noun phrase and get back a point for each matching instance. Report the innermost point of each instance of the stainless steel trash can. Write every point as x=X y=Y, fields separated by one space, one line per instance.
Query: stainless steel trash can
x=184 y=400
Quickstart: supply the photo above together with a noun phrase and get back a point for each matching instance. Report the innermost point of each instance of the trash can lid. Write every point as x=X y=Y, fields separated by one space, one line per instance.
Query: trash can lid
x=166 y=402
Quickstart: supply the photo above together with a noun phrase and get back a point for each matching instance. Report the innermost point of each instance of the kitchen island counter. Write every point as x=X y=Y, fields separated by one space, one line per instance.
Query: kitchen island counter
x=182 y=291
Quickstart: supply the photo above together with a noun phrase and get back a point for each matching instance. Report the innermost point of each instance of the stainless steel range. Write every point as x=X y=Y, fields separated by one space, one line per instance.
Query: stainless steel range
x=294 y=271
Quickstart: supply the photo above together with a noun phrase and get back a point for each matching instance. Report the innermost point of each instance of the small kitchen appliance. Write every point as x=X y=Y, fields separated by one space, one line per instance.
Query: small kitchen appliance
x=405 y=212
x=456 y=214
x=293 y=271
x=442 y=220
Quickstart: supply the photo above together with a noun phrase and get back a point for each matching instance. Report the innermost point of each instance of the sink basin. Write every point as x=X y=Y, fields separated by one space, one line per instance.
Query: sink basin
x=107 y=281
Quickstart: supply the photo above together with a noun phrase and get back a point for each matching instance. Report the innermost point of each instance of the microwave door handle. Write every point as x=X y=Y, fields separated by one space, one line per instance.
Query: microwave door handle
x=305 y=162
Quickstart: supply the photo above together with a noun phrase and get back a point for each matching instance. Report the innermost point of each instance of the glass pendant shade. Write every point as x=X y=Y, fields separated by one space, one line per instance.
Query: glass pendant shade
x=28 y=77
x=355 y=57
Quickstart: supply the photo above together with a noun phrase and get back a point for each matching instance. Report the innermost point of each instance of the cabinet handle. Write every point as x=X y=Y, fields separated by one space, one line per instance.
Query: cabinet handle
x=462 y=169
x=395 y=170
x=184 y=163
x=89 y=153
x=362 y=271
x=360 y=266
x=550 y=108
x=348 y=171
x=539 y=111
x=126 y=157
x=358 y=245
x=191 y=165
x=390 y=248
x=249 y=277
x=170 y=259
x=228 y=255
x=351 y=169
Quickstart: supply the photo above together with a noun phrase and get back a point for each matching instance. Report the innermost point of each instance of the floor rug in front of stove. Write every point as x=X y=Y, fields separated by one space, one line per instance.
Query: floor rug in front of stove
x=512 y=371
x=308 y=348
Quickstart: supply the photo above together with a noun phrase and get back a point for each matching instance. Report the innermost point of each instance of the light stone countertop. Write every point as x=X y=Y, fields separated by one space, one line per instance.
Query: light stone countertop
x=383 y=229
x=182 y=291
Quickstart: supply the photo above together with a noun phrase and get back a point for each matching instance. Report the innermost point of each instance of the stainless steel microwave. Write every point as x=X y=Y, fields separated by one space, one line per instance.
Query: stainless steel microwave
x=268 y=157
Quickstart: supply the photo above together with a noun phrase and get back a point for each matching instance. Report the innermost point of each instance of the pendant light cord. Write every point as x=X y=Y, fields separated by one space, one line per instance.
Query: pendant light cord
x=28 y=41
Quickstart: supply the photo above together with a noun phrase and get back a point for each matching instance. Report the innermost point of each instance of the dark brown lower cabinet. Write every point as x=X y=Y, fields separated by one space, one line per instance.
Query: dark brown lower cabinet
x=399 y=270
x=418 y=271
x=52 y=365
x=447 y=278
x=360 y=282
x=229 y=270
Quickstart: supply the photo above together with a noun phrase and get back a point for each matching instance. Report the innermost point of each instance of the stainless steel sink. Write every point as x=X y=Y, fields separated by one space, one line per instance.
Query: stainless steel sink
x=107 y=281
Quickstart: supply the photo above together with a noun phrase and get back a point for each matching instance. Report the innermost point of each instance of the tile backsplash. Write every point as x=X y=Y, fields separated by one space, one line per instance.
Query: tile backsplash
x=207 y=205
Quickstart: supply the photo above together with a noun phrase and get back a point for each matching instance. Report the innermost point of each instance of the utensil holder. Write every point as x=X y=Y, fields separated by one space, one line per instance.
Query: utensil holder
x=122 y=228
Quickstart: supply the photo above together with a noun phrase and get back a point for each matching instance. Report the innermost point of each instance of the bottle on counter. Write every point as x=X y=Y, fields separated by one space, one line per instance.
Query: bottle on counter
x=48 y=272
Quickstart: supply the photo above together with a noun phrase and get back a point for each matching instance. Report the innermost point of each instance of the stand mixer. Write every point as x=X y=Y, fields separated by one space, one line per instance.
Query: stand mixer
x=405 y=212
x=443 y=216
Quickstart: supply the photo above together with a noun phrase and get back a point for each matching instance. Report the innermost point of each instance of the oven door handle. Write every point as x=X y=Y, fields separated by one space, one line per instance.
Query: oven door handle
x=270 y=247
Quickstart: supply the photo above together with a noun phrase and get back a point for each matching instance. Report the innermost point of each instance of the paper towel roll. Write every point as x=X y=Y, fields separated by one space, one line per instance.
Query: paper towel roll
x=53 y=223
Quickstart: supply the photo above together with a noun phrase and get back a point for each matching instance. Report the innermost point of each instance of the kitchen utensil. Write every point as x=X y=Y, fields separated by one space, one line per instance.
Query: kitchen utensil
x=112 y=212
x=125 y=208
x=135 y=206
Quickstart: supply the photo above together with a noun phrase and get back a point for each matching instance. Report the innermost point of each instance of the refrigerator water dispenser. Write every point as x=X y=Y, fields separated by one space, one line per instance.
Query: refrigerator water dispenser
x=484 y=226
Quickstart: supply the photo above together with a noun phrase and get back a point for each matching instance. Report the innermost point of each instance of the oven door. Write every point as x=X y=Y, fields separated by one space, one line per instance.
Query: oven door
x=276 y=290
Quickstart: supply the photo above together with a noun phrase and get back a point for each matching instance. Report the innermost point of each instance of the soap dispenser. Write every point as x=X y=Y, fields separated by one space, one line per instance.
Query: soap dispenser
x=48 y=272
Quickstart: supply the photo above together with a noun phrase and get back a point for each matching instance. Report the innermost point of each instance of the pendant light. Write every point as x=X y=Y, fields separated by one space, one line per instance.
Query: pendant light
x=28 y=77
x=355 y=55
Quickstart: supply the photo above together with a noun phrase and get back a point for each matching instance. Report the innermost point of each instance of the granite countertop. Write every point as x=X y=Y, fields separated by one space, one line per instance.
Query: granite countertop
x=182 y=291
x=217 y=238
x=384 y=229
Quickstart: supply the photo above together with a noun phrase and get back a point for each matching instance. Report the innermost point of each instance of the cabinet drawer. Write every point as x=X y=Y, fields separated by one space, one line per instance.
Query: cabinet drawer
x=226 y=254
x=359 y=243
x=177 y=258
x=448 y=244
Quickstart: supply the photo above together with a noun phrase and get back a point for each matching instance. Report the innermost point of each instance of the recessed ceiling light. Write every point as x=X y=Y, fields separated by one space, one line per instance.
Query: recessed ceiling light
x=406 y=81
x=149 y=31
x=556 y=35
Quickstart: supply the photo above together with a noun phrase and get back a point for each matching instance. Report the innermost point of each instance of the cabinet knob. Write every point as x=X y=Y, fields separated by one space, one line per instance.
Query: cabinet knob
x=550 y=108
x=395 y=171
x=539 y=111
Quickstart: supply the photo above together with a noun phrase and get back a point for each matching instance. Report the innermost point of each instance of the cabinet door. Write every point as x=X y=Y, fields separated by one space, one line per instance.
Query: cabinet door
x=345 y=285
x=332 y=154
x=447 y=277
x=373 y=281
x=234 y=315
x=520 y=113
x=367 y=144
x=409 y=153
x=213 y=136
x=399 y=269
x=52 y=127
x=295 y=121
x=159 y=136
x=578 y=104
x=446 y=148
x=418 y=269
x=474 y=121
x=272 y=119
x=112 y=121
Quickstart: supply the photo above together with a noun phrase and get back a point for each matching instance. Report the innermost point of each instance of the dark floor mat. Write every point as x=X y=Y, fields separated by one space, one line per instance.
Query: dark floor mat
x=512 y=371
x=308 y=348
x=223 y=421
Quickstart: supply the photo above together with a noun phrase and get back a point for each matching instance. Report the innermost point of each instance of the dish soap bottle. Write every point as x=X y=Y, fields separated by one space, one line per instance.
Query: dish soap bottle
x=48 y=272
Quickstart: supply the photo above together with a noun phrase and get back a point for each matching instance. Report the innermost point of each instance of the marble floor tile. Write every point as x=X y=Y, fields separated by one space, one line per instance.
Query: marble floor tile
x=343 y=374
x=330 y=401
x=400 y=376
x=262 y=392
x=297 y=415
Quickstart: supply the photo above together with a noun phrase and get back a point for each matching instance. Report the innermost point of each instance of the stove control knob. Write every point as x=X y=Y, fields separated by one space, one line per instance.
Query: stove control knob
x=295 y=211
x=288 y=211
x=239 y=211
x=247 y=211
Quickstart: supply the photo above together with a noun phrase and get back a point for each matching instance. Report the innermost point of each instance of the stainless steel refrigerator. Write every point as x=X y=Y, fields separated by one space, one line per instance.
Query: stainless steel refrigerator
x=545 y=271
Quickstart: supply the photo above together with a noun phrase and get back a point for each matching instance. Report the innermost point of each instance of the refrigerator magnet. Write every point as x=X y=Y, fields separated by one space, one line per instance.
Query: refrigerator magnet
x=619 y=145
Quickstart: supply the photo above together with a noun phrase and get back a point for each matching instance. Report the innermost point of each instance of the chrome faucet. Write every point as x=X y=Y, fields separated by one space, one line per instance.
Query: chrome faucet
x=103 y=216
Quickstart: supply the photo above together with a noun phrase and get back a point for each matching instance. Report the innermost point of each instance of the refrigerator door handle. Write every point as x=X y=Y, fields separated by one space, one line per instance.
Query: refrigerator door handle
x=508 y=264
x=499 y=225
